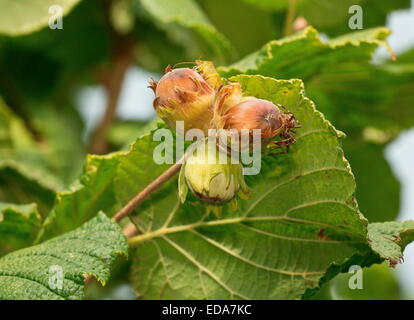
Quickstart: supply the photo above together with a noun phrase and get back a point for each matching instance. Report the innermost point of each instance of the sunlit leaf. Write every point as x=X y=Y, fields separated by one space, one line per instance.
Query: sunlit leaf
x=22 y=17
x=305 y=54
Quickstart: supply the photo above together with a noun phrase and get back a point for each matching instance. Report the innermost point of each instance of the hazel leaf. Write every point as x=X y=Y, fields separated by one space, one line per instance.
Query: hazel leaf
x=185 y=15
x=55 y=269
x=389 y=239
x=304 y=54
x=24 y=173
x=23 y=17
x=301 y=220
x=19 y=225
x=92 y=192
x=349 y=90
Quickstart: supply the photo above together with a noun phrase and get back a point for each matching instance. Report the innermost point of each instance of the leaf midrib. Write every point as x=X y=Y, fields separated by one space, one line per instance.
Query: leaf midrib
x=239 y=220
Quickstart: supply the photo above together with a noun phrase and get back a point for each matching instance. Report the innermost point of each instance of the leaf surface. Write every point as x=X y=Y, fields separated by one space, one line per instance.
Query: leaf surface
x=19 y=17
x=304 y=54
x=352 y=93
x=93 y=192
x=387 y=289
x=89 y=250
x=300 y=220
x=61 y=130
x=349 y=90
x=173 y=16
x=389 y=239
x=381 y=203
x=24 y=174
x=19 y=225
x=269 y=4
x=332 y=18
x=248 y=27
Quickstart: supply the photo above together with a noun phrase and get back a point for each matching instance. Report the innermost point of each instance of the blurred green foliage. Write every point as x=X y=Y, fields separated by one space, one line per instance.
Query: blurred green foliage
x=42 y=145
x=387 y=288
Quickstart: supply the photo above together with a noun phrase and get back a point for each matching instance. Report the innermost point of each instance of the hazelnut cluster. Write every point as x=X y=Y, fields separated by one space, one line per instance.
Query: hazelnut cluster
x=200 y=98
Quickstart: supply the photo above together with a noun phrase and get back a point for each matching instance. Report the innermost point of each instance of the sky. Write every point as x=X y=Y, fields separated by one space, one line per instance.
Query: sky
x=136 y=104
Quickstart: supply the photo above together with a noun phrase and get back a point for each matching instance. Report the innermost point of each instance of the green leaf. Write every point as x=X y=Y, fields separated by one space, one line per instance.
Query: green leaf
x=317 y=12
x=82 y=44
x=407 y=57
x=123 y=134
x=247 y=26
x=158 y=49
x=380 y=202
x=61 y=130
x=379 y=283
x=305 y=54
x=16 y=141
x=269 y=4
x=326 y=13
x=22 y=17
x=135 y=171
x=14 y=137
x=177 y=17
x=89 y=250
x=350 y=91
x=300 y=220
x=91 y=193
x=19 y=225
x=331 y=17
x=20 y=86
x=23 y=184
x=389 y=239
x=375 y=13
x=24 y=173
x=398 y=81
x=355 y=96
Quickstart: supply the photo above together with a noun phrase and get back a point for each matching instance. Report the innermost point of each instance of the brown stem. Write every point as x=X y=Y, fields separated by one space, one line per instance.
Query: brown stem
x=290 y=17
x=148 y=190
x=112 y=80
x=130 y=230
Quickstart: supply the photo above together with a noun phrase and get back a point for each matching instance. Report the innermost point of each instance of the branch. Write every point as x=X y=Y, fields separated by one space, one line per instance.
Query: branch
x=112 y=81
x=290 y=16
x=130 y=229
x=112 y=78
x=148 y=190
